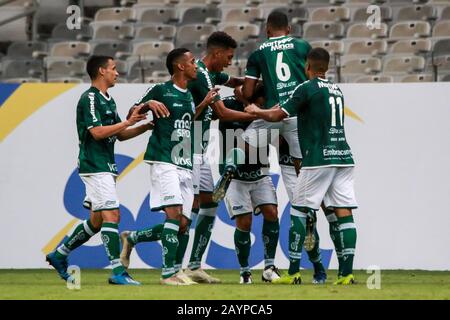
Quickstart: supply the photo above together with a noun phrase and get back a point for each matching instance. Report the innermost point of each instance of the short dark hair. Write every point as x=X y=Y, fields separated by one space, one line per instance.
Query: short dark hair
x=222 y=40
x=173 y=57
x=319 y=58
x=277 y=20
x=96 y=62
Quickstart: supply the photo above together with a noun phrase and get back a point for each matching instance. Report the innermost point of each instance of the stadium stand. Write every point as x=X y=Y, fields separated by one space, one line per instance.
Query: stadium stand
x=410 y=43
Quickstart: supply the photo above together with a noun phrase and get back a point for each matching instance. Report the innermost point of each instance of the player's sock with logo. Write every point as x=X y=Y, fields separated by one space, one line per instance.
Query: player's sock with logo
x=297 y=233
x=242 y=244
x=348 y=234
x=169 y=241
x=271 y=232
x=203 y=228
x=315 y=256
x=146 y=235
x=183 y=240
x=82 y=233
x=110 y=238
x=335 y=235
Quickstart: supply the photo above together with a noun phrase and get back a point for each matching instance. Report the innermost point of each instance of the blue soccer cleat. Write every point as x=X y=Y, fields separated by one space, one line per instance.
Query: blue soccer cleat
x=319 y=278
x=123 y=279
x=60 y=265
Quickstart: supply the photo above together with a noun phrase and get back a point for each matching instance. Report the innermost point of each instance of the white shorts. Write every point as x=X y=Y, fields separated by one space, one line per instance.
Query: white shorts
x=246 y=197
x=332 y=185
x=170 y=186
x=259 y=134
x=101 y=193
x=289 y=179
x=202 y=176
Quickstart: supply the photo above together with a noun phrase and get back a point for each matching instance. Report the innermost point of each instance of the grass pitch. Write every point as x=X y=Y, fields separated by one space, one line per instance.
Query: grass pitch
x=45 y=284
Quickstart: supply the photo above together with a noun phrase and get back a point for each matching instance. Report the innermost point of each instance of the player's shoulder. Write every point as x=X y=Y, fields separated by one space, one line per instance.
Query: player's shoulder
x=90 y=94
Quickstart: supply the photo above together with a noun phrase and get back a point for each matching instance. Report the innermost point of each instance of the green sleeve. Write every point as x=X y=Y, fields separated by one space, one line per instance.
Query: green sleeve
x=150 y=94
x=203 y=85
x=252 y=70
x=295 y=102
x=222 y=78
x=91 y=115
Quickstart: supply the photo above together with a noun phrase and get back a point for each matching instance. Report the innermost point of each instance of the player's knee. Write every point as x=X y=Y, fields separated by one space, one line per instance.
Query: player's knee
x=244 y=222
x=270 y=213
x=185 y=223
x=112 y=216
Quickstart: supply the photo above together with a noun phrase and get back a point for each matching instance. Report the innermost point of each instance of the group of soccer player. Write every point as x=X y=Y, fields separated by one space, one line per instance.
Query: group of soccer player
x=293 y=98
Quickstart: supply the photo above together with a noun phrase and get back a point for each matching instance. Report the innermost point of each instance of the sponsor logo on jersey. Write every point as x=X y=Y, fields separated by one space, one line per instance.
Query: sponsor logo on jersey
x=91 y=96
x=237 y=207
x=183 y=123
x=168 y=198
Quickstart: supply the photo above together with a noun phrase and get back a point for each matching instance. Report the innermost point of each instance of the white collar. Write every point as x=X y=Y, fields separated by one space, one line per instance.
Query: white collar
x=179 y=89
x=272 y=38
x=107 y=98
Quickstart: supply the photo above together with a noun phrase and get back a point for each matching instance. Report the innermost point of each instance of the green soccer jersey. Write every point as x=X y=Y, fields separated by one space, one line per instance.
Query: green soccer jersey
x=245 y=172
x=284 y=157
x=320 y=108
x=281 y=63
x=170 y=141
x=199 y=88
x=96 y=109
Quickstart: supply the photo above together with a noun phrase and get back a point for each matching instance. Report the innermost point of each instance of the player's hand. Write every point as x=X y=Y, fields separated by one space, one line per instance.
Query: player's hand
x=136 y=115
x=252 y=109
x=130 y=111
x=150 y=125
x=211 y=95
x=158 y=108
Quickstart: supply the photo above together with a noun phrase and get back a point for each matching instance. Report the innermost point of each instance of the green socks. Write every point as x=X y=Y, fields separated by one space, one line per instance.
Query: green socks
x=348 y=241
x=297 y=233
x=82 y=233
x=242 y=244
x=183 y=240
x=110 y=238
x=270 y=232
x=315 y=256
x=203 y=228
x=335 y=236
x=146 y=235
x=169 y=241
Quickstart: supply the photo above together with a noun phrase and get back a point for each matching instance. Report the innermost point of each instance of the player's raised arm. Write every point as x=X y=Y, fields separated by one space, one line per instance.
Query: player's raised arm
x=274 y=114
x=225 y=114
x=209 y=98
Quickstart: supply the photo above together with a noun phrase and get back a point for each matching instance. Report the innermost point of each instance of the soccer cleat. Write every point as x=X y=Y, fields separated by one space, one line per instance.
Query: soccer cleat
x=123 y=279
x=310 y=238
x=60 y=265
x=220 y=190
x=270 y=273
x=184 y=277
x=174 y=280
x=319 y=278
x=200 y=276
x=289 y=279
x=127 y=247
x=348 y=279
x=246 y=278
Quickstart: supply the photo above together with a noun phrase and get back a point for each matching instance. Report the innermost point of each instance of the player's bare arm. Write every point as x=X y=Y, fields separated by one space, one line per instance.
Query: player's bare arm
x=249 y=87
x=206 y=102
x=225 y=114
x=158 y=108
x=274 y=114
x=103 y=132
x=235 y=82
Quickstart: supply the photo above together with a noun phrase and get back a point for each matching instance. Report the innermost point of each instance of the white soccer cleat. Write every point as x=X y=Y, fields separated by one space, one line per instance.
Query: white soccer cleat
x=200 y=276
x=246 y=278
x=185 y=278
x=127 y=247
x=270 y=273
x=173 y=281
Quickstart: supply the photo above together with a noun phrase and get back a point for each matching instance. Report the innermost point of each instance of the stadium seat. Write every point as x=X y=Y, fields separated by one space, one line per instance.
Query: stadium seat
x=367 y=47
x=416 y=13
x=65 y=80
x=241 y=31
x=61 y=33
x=360 y=30
x=70 y=49
x=441 y=54
x=374 y=79
x=157 y=15
x=15 y=30
x=18 y=3
x=153 y=79
x=364 y=2
x=21 y=69
x=411 y=46
x=361 y=15
x=403 y=64
x=442 y=29
x=409 y=29
x=24 y=49
x=245 y=48
x=321 y=30
x=330 y=14
x=108 y=48
x=445 y=14
x=360 y=65
x=64 y=67
x=295 y=14
x=332 y=46
x=112 y=31
x=194 y=33
x=158 y=49
x=417 y=78
x=139 y=68
x=201 y=15
x=21 y=80
x=446 y=78
x=116 y=14
x=154 y=2
x=246 y=15
x=155 y=32
x=50 y=14
x=198 y=49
